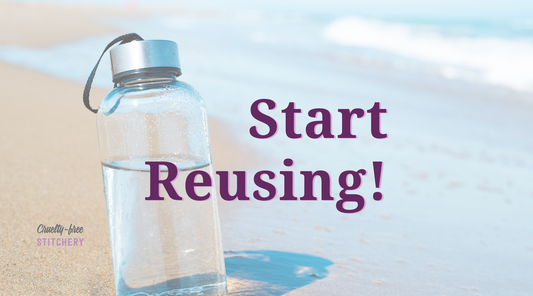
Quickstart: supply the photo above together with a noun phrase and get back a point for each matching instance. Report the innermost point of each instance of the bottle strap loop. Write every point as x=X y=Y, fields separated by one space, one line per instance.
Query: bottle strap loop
x=125 y=39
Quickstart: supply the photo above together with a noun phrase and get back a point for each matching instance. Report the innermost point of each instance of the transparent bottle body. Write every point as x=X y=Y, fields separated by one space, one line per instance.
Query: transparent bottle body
x=159 y=247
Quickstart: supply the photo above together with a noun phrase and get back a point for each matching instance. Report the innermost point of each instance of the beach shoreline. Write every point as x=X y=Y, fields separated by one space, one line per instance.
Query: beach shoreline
x=454 y=220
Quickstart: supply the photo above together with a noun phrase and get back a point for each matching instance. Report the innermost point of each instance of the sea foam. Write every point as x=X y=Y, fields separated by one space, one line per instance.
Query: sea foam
x=495 y=60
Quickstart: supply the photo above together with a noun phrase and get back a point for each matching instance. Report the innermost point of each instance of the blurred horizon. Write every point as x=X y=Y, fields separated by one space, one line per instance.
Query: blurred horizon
x=411 y=9
x=469 y=44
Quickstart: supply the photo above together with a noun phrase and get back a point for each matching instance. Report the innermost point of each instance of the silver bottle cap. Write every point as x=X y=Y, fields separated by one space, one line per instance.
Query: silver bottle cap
x=137 y=55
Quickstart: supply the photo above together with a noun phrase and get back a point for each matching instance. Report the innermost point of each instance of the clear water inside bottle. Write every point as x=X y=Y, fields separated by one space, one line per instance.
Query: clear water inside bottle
x=167 y=247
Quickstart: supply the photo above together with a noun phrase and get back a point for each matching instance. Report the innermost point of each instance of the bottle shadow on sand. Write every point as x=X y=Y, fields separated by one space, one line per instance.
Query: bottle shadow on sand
x=272 y=273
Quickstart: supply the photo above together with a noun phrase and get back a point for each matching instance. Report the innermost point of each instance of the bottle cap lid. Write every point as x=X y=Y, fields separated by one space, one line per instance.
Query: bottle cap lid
x=137 y=55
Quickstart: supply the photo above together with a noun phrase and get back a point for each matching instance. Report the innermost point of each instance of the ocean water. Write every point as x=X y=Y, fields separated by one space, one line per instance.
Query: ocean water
x=315 y=58
x=491 y=49
x=456 y=214
x=481 y=52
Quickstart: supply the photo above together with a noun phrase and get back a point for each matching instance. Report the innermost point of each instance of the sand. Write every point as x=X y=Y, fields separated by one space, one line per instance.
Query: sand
x=50 y=163
x=40 y=25
x=455 y=220
x=51 y=174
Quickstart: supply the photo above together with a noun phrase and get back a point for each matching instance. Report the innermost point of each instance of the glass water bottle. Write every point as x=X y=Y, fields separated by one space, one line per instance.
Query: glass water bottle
x=160 y=247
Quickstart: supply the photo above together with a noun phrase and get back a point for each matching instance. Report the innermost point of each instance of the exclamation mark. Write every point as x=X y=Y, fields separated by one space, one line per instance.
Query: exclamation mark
x=378 y=169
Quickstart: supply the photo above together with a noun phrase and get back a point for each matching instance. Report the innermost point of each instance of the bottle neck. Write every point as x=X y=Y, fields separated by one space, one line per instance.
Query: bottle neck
x=142 y=76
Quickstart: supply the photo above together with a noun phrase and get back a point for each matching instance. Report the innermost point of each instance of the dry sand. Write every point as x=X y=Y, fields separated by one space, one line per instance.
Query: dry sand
x=51 y=174
x=50 y=167
x=39 y=25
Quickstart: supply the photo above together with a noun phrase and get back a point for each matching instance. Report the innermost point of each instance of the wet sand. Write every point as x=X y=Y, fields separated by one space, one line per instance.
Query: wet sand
x=455 y=219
